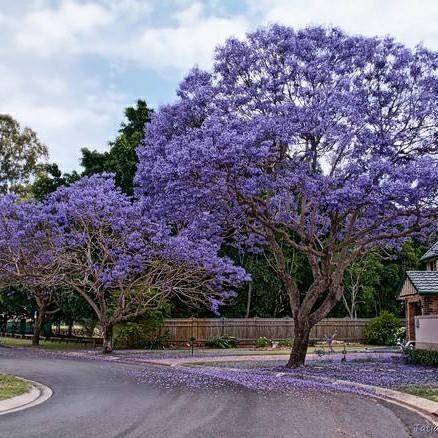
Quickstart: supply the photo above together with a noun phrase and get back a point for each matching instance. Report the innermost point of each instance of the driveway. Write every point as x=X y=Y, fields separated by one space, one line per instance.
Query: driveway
x=93 y=398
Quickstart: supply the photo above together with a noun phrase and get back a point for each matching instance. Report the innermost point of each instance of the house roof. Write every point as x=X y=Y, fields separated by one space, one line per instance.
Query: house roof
x=425 y=282
x=431 y=253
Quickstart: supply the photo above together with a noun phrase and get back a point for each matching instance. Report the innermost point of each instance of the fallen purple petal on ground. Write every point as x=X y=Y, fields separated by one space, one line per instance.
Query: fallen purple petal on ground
x=319 y=375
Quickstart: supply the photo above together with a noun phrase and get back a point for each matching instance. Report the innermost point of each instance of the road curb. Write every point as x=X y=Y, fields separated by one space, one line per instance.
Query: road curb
x=428 y=409
x=38 y=394
x=420 y=405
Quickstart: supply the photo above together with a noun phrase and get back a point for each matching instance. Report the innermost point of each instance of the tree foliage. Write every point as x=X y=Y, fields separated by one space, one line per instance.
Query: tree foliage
x=121 y=159
x=20 y=154
x=28 y=257
x=313 y=141
x=48 y=178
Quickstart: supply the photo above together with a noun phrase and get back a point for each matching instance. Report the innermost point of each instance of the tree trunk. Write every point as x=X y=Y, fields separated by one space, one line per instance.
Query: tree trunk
x=41 y=314
x=107 y=338
x=248 y=303
x=5 y=324
x=299 y=347
x=70 y=329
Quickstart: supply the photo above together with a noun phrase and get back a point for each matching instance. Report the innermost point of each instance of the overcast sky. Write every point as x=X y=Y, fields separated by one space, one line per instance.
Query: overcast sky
x=69 y=67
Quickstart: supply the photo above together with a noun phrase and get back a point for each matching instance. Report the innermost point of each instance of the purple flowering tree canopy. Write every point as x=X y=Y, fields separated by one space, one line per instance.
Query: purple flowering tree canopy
x=122 y=263
x=28 y=259
x=313 y=141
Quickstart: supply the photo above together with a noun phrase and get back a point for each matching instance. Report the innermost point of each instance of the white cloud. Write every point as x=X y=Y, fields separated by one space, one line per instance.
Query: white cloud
x=186 y=45
x=410 y=21
x=189 y=36
x=66 y=115
x=67 y=66
x=50 y=30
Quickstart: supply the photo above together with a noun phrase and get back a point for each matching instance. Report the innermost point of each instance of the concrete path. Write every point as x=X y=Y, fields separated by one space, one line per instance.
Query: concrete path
x=95 y=398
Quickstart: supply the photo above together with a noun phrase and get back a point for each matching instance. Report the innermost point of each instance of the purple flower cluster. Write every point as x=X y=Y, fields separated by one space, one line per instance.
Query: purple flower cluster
x=347 y=123
x=312 y=141
x=105 y=246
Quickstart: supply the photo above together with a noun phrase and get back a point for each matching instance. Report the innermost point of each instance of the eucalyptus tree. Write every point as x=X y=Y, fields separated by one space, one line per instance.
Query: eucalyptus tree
x=20 y=154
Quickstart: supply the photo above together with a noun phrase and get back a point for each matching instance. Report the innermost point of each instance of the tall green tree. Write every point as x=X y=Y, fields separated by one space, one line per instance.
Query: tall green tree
x=121 y=159
x=20 y=153
x=48 y=178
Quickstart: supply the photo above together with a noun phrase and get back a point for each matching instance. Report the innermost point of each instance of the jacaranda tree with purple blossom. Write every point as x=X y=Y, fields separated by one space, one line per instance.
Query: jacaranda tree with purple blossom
x=313 y=141
x=28 y=259
x=122 y=263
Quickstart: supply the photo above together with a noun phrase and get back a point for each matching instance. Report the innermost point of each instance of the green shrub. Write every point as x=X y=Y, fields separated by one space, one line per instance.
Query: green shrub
x=422 y=357
x=139 y=334
x=286 y=343
x=263 y=342
x=159 y=342
x=382 y=330
x=224 y=341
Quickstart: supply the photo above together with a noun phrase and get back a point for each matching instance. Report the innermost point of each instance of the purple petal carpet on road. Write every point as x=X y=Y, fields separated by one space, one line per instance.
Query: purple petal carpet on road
x=318 y=375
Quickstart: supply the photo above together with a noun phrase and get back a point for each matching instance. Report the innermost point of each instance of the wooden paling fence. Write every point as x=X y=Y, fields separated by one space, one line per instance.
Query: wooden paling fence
x=247 y=330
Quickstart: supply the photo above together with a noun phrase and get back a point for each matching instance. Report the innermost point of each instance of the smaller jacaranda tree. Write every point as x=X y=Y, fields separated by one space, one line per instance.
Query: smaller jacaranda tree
x=122 y=263
x=28 y=259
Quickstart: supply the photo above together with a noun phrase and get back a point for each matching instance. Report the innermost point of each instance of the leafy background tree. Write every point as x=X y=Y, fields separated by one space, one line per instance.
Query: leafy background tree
x=20 y=153
x=15 y=304
x=121 y=158
x=48 y=178
x=74 y=310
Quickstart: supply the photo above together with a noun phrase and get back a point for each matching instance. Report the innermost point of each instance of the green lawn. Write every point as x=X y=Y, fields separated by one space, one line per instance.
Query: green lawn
x=423 y=391
x=44 y=345
x=10 y=386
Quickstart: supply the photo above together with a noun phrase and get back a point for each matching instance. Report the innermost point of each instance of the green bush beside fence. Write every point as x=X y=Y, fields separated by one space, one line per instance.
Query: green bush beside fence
x=382 y=330
x=422 y=357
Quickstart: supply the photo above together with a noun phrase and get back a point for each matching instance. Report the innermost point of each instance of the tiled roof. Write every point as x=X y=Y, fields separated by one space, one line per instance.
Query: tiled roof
x=431 y=253
x=425 y=282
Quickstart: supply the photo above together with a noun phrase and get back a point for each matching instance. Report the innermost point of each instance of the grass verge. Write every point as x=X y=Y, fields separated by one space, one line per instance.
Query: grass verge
x=44 y=345
x=423 y=391
x=11 y=386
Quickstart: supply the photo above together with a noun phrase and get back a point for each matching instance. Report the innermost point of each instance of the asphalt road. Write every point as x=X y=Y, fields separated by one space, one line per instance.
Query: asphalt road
x=100 y=399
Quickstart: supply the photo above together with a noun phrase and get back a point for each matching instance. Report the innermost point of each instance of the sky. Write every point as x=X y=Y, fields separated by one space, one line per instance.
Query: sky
x=68 y=68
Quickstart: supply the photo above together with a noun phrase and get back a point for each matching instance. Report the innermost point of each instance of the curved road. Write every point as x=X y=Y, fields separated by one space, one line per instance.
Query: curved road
x=101 y=399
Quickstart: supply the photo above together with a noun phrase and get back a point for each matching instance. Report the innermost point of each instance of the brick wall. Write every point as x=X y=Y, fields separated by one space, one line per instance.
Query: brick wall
x=410 y=322
x=430 y=305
